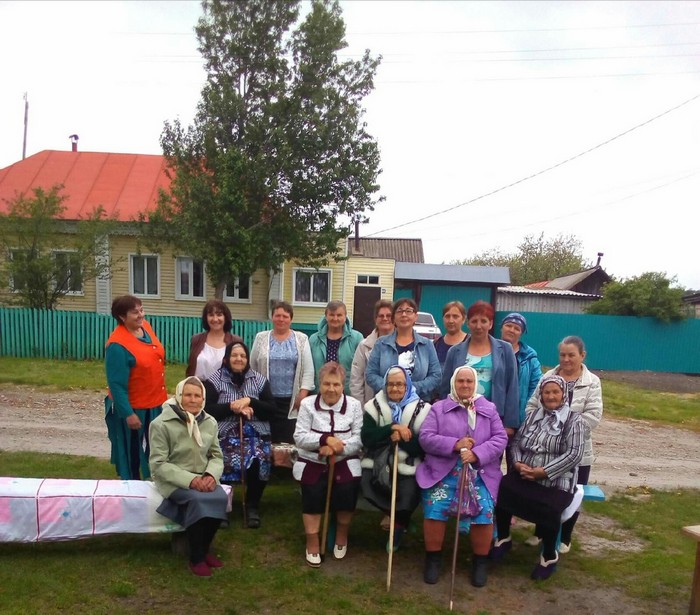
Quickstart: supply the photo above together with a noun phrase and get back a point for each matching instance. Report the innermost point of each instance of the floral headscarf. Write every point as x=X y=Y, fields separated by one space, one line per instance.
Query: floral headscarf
x=409 y=396
x=466 y=403
x=553 y=420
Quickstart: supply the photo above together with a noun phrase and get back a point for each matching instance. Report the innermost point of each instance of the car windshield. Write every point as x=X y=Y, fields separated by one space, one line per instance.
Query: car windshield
x=425 y=319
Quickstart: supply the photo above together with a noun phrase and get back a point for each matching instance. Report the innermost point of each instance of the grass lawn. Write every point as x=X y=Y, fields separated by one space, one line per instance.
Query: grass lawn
x=265 y=572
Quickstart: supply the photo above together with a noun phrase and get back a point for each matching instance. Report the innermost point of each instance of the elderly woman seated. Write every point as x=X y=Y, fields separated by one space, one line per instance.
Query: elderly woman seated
x=462 y=430
x=546 y=452
x=186 y=464
x=327 y=436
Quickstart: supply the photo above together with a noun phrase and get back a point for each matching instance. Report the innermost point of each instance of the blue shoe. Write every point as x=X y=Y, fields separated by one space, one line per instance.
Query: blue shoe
x=398 y=535
x=544 y=569
x=500 y=548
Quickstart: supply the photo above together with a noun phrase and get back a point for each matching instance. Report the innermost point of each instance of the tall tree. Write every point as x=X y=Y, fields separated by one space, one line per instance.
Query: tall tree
x=47 y=256
x=536 y=259
x=649 y=294
x=278 y=161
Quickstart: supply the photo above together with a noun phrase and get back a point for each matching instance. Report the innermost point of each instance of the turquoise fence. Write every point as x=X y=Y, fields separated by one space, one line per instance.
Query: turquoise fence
x=82 y=335
x=617 y=342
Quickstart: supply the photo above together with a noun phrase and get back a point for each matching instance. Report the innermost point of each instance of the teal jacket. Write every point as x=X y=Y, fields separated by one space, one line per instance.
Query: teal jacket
x=529 y=375
x=349 y=342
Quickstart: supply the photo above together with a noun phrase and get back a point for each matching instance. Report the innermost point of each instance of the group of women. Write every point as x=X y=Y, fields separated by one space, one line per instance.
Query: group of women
x=445 y=430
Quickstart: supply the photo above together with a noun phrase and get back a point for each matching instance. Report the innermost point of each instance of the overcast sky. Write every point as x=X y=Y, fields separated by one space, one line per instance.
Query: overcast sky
x=470 y=98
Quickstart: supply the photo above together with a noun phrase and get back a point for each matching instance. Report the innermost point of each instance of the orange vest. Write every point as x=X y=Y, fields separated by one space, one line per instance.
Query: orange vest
x=147 y=377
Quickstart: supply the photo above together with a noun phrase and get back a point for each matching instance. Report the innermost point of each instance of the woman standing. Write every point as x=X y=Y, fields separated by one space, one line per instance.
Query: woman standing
x=135 y=367
x=404 y=347
x=328 y=435
x=540 y=485
x=454 y=315
x=207 y=349
x=233 y=391
x=584 y=395
x=186 y=463
x=283 y=356
x=394 y=417
x=494 y=362
x=463 y=429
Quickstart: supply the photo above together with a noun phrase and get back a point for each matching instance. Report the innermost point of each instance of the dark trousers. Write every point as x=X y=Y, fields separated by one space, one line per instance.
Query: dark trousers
x=199 y=536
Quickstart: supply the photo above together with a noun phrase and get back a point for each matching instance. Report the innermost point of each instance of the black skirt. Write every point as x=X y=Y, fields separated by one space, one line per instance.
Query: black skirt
x=532 y=501
x=408 y=493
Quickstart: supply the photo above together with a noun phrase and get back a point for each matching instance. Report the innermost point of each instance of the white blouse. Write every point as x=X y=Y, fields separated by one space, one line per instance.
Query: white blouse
x=208 y=361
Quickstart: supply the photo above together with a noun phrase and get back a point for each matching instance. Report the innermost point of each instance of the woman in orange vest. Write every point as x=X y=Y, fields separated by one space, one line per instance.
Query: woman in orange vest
x=135 y=366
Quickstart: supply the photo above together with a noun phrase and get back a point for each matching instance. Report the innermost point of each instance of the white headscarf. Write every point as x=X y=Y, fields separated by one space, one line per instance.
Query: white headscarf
x=469 y=402
x=191 y=419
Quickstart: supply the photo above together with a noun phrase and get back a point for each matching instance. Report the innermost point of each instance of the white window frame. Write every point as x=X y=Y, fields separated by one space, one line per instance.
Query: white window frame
x=368 y=276
x=131 y=275
x=235 y=298
x=10 y=256
x=311 y=303
x=72 y=293
x=180 y=260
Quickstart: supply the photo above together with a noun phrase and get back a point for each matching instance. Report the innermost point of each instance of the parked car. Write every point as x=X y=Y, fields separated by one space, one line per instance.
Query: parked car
x=425 y=326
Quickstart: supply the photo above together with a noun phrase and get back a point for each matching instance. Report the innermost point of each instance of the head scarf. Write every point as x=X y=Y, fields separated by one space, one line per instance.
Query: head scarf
x=466 y=403
x=236 y=377
x=553 y=420
x=409 y=396
x=192 y=420
x=517 y=319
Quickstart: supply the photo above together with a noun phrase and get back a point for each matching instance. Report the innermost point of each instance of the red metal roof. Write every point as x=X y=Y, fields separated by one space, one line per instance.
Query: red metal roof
x=124 y=184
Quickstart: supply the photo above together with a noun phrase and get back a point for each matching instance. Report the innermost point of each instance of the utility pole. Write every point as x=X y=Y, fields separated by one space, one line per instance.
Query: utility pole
x=26 y=120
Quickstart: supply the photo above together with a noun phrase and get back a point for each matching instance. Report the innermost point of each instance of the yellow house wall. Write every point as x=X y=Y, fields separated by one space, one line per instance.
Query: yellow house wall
x=166 y=303
x=384 y=268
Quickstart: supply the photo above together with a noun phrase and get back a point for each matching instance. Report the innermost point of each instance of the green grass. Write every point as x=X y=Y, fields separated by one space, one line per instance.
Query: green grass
x=67 y=375
x=626 y=401
x=265 y=572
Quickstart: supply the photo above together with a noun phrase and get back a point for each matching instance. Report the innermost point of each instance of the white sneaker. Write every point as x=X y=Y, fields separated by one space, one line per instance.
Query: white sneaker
x=533 y=541
x=340 y=551
x=564 y=548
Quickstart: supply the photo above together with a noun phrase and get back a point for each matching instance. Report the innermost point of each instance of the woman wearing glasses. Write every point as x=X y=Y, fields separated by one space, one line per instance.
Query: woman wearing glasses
x=406 y=348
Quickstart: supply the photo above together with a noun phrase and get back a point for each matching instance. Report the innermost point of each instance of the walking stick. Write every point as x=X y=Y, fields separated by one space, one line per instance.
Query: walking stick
x=240 y=433
x=392 y=521
x=324 y=532
x=462 y=482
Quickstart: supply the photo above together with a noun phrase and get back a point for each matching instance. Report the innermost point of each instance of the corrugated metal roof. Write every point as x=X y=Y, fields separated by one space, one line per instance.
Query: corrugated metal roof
x=566 y=282
x=124 y=184
x=405 y=250
x=425 y=272
x=529 y=290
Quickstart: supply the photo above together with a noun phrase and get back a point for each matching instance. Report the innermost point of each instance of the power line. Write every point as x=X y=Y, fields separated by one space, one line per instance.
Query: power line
x=538 y=173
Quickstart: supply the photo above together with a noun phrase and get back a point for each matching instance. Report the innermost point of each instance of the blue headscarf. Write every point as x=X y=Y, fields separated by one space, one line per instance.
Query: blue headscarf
x=409 y=396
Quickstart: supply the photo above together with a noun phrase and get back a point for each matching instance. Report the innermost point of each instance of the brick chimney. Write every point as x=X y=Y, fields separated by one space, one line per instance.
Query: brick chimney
x=74 y=142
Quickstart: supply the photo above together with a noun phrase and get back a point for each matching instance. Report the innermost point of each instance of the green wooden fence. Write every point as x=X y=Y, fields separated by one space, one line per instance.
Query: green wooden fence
x=82 y=335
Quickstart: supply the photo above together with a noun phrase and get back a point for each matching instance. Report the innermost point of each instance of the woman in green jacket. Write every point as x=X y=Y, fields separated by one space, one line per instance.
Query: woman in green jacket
x=186 y=465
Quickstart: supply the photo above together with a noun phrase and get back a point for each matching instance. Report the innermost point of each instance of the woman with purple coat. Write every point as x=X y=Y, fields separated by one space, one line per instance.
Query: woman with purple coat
x=463 y=429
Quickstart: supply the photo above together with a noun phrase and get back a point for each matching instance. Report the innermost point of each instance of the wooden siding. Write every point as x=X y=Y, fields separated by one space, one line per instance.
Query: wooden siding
x=359 y=265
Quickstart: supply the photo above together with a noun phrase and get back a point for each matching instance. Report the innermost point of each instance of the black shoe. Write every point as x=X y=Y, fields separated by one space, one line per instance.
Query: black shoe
x=479 y=570
x=253 y=519
x=433 y=566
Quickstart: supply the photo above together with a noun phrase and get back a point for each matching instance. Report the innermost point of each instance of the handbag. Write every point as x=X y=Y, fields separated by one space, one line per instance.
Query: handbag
x=383 y=456
x=469 y=506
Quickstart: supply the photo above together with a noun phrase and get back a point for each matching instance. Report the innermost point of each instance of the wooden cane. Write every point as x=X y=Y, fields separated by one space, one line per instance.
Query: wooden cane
x=392 y=522
x=462 y=483
x=240 y=434
x=329 y=488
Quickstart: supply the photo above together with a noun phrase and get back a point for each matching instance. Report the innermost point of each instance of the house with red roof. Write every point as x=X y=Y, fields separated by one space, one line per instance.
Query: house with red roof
x=173 y=283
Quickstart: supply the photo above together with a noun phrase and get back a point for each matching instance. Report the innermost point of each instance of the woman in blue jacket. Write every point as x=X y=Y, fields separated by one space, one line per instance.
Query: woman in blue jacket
x=494 y=361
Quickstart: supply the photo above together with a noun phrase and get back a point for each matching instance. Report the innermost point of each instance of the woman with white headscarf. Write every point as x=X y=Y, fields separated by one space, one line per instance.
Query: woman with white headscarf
x=463 y=429
x=186 y=465
x=540 y=485
x=394 y=417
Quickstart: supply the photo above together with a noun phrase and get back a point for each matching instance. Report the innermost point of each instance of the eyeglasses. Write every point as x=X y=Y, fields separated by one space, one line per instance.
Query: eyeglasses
x=395 y=385
x=406 y=311
x=383 y=316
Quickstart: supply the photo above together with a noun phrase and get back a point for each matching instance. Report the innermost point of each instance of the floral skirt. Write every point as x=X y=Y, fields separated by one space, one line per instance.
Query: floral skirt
x=255 y=446
x=437 y=500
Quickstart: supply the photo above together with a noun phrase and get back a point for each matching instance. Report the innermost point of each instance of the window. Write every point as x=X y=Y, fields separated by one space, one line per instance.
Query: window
x=18 y=281
x=238 y=289
x=189 y=278
x=143 y=269
x=312 y=286
x=368 y=279
x=68 y=272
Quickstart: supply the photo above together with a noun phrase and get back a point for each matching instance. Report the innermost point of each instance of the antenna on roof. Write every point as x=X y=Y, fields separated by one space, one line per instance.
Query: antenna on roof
x=74 y=142
x=26 y=120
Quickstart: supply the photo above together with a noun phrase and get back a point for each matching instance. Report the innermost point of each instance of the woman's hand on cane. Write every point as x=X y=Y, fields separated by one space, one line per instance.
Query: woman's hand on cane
x=400 y=432
x=468 y=456
x=336 y=444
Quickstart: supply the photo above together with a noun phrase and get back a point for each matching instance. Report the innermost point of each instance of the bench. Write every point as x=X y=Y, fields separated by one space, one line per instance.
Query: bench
x=51 y=509
x=694 y=532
